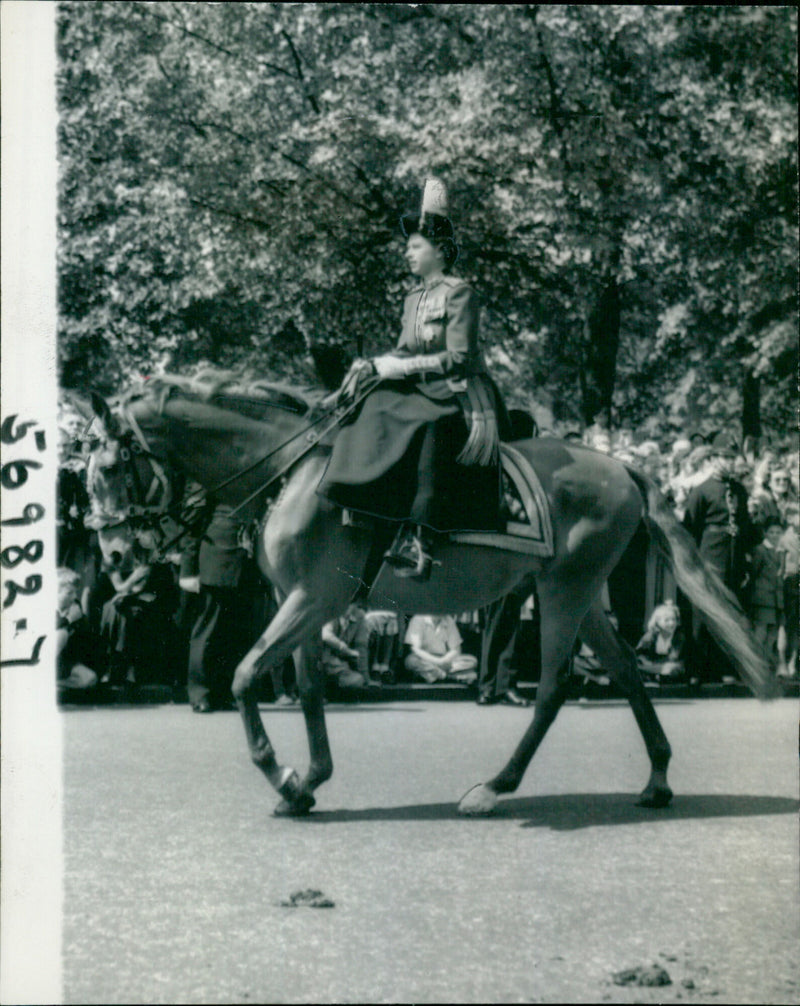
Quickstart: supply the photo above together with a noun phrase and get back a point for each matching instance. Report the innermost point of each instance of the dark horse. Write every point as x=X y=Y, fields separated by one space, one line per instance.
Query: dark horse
x=265 y=453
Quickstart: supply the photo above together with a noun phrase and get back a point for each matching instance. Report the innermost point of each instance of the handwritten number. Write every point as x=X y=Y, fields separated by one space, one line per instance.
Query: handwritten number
x=31 y=661
x=9 y=435
x=33 y=584
x=14 y=555
x=15 y=473
x=31 y=512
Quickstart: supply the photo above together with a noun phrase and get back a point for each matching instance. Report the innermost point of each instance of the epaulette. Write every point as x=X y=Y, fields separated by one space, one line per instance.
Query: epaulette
x=453 y=281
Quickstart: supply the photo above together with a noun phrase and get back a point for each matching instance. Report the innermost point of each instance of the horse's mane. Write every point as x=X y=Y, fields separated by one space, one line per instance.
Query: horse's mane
x=252 y=398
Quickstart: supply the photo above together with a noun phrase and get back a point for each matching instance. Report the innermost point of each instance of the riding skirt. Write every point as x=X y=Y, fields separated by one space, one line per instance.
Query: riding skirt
x=397 y=461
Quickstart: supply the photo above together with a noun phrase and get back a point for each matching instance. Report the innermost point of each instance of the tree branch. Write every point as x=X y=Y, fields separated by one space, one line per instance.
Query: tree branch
x=300 y=75
x=147 y=8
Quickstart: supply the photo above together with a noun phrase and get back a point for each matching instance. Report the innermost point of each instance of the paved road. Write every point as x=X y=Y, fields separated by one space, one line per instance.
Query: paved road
x=175 y=867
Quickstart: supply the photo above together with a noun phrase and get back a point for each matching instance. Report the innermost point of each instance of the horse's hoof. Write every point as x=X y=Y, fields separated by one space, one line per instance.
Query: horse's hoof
x=478 y=801
x=300 y=809
x=297 y=799
x=655 y=797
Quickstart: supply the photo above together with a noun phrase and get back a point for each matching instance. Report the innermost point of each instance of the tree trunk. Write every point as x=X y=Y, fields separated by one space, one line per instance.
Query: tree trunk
x=751 y=400
x=598 y=374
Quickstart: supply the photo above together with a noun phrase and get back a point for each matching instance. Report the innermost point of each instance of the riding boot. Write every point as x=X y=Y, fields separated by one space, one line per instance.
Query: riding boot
x=410 y=555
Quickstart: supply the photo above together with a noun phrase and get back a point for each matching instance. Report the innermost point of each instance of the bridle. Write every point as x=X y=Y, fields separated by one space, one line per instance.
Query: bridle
x=148 y=503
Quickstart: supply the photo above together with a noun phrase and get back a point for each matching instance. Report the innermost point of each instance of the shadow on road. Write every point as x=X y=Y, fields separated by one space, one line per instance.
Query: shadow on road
x=577 y=810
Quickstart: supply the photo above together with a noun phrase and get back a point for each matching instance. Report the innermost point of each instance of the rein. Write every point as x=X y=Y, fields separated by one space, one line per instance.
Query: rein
x=314 y=438
x=132 y=480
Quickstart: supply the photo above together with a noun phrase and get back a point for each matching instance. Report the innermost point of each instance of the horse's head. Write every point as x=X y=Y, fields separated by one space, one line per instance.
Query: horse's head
x=127 y=485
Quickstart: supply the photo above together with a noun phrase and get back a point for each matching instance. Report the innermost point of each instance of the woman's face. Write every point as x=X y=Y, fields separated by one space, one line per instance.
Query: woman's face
x=779 y=482
x=668 y=622
x=67 y=594
x=423 y=258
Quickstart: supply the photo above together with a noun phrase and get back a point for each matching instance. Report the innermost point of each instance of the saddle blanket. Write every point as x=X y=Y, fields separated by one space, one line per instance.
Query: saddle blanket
x=528 y=527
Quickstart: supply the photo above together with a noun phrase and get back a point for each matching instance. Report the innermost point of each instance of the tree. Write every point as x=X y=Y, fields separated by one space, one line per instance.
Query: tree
x=621 y=178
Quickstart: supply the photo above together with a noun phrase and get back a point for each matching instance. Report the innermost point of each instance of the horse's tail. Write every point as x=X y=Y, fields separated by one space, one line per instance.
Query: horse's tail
x=719 y=608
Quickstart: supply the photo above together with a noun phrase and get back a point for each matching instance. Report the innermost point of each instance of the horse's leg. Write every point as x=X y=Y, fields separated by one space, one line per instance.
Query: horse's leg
x=620 y=661
x=299 y=618
x=562 y=600
x=311 y=686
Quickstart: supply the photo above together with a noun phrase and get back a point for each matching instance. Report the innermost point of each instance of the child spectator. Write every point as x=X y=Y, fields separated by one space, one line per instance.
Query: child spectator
x=384 y=645
x=660 y=650
x=766 y=587
x=75 y=652
x=345 y=648
x=435 y=651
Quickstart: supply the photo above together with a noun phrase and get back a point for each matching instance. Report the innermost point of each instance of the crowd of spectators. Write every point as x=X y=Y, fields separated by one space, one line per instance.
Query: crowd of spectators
x=183 y=622
x=739 y=501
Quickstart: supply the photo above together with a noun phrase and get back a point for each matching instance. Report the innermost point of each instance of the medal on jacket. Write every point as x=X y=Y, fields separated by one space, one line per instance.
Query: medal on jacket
x=431 y=324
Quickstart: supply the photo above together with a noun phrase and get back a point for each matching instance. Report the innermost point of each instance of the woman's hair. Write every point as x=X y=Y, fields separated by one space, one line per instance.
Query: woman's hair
x=659 y=611
x=67 y=577
x=449 y=250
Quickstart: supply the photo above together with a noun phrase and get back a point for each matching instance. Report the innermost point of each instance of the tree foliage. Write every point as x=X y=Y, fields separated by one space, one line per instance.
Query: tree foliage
x=623 y=183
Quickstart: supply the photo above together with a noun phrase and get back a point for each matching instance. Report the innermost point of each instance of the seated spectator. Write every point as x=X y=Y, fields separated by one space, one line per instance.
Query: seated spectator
x=75 y=652
x=345 y=648
x=789 y=545
x=585 y=662
x=660 y=650
x=435 y=652
x=136 y=625
x=766 y=588
x=384 y=645
x=586 y=665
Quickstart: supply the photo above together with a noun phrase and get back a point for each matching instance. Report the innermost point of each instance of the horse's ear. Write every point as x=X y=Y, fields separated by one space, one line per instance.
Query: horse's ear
x=102 y=411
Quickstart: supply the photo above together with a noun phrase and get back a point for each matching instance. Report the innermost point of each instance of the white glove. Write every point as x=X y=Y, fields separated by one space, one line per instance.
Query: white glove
x=394 y=368
x=191 y=584
x=389 y=368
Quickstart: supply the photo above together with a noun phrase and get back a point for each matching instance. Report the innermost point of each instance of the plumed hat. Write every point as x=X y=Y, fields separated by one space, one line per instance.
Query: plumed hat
x=431 y=221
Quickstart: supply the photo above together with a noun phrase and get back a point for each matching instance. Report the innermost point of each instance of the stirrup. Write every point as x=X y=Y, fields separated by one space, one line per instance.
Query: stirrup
x=404 y=551
x=421 y=571
x=408 y=556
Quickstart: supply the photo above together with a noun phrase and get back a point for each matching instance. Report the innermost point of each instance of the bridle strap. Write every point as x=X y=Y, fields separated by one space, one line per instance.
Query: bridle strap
x=137 y=431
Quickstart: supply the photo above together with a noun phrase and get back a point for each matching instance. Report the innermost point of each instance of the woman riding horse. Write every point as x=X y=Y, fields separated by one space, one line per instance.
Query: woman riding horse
x=429 y=434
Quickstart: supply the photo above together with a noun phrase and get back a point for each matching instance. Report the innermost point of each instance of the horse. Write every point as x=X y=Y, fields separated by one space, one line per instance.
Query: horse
x=264 y=451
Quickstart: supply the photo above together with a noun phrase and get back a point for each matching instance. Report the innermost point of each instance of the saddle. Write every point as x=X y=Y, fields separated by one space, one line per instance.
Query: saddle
x=525 y=519
x=525 y=512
